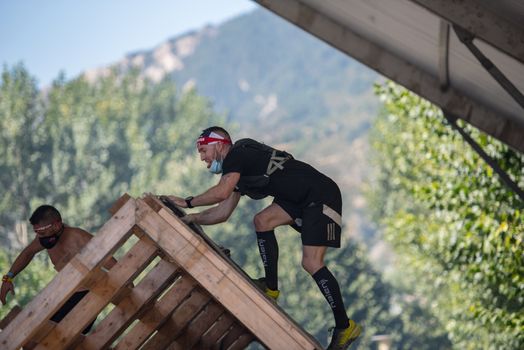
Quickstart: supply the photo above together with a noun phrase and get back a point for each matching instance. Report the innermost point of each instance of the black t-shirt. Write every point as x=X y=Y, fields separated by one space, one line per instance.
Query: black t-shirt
x=298 y=182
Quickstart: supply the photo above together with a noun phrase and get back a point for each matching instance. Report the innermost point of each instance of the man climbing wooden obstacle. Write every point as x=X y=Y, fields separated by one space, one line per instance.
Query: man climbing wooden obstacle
x=304 y=198
x=61 y=242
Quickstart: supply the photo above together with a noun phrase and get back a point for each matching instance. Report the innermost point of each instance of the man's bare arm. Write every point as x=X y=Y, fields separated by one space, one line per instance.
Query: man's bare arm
x=216 y=194
x=217 y=214
x=25 y=257
x=20 y=263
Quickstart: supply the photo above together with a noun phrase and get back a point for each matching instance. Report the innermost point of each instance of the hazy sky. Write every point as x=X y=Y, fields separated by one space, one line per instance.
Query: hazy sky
x=74 y=35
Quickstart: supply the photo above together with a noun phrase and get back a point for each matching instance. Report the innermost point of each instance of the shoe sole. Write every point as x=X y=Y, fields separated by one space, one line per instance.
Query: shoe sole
x=354 y=335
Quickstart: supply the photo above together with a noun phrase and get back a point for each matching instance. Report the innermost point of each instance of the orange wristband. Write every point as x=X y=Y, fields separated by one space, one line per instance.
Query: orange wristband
x=8 y=279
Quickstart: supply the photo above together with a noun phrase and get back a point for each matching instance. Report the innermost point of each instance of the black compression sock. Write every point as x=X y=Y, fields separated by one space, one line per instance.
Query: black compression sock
x=268 y=248
x=329 y=287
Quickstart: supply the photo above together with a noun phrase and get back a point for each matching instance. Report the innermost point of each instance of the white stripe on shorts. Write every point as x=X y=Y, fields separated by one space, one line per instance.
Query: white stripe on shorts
x=332 y=214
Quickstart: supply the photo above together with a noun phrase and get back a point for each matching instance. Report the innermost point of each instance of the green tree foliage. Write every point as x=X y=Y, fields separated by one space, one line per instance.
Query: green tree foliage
x=21 y=150
x=83 y=144
x=80 y=145
x=120 y=134
x=457 y=229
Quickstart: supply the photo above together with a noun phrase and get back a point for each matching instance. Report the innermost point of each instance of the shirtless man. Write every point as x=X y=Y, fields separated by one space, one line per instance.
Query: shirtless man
x=62 y=243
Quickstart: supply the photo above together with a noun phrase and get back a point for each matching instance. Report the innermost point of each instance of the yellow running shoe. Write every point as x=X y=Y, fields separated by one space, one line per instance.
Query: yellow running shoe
x=342 y=338
x=273 y=294
x=261 y=284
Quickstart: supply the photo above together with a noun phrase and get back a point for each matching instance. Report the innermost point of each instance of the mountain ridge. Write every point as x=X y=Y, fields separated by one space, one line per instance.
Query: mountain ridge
x=280 y=85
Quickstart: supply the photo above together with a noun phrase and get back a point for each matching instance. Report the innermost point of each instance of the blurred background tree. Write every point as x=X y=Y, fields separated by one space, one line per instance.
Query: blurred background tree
x=80 y=145
x=456 y=229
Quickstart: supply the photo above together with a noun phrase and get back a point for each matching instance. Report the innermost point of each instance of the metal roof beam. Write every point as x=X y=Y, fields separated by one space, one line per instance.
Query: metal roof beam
x=398 y=69
x=467 y=39
x=443 y=53
x=482 y=22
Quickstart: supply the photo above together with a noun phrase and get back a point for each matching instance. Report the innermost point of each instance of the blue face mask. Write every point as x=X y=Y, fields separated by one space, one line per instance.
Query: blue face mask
x=216 y=167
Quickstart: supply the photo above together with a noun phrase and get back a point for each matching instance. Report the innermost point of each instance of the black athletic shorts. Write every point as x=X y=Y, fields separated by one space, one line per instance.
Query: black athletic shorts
x=319 y=222
x=68 y=306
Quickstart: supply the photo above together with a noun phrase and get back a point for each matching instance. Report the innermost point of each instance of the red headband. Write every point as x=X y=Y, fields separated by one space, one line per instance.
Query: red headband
x=206 y=140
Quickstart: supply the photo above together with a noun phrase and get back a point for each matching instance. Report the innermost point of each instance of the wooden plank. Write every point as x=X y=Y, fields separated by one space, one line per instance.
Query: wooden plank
x=157 y=314
x=215 y=332
x=171 y=211
x=77 y=342
x=239 y=279
x=229 y=287
x=171 y=214
x=94 y=277
x=187 y=311
x=10 y=316
x=223 y=262
x=177 y=212
x=110 y=237
x=197 y=327
x=65 y=283
x=200 y=245
x=178 y=321
x=135 y=260
x=232 y=335
x=126 y=311
x=119 y=203
x=46 y=328
x=153 y=202
x=242 y=342
x=122 y=294
x=181 y=249
x=156 y=205
x=187 y=246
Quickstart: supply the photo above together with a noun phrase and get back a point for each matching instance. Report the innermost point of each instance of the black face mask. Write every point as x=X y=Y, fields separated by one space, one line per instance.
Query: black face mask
x=50 y=241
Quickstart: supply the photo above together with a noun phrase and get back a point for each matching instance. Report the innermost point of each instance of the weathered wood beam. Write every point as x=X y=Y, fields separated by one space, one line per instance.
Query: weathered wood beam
x=229 y=287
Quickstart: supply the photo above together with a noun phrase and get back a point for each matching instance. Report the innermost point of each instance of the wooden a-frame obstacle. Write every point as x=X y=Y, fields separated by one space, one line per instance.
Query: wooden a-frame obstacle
x=192 y=297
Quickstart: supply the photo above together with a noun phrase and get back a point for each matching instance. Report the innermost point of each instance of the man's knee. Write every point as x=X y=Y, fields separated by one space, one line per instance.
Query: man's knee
x=261 y=223
x=312 y=265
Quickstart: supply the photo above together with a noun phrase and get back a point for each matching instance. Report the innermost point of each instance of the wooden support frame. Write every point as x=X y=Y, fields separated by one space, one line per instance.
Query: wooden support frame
x=35 y=315
x=194 y=331
x=183 y=314
x=256 y=312
x=190 y=295
x=216 y=332
x=129 y=307
x=100 y=295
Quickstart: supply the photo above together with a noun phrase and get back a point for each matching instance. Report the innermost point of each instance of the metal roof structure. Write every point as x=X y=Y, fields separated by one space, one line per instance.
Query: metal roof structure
x=466 y=56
